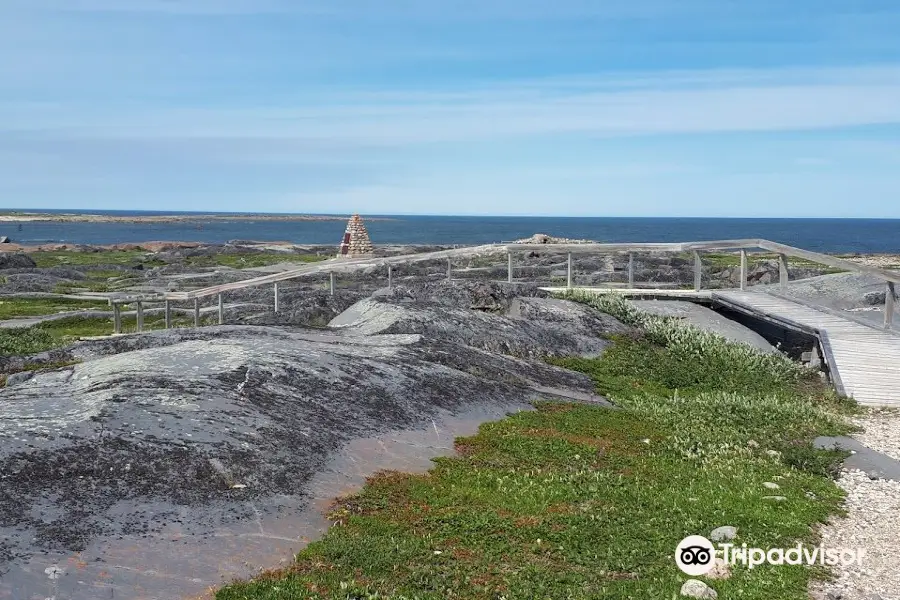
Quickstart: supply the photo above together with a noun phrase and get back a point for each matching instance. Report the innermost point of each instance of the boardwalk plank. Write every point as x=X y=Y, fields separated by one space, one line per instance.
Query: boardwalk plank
x=867 y=360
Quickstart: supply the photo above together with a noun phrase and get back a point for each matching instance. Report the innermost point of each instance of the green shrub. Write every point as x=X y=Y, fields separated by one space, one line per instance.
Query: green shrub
x=20 y=341
x=702 y=357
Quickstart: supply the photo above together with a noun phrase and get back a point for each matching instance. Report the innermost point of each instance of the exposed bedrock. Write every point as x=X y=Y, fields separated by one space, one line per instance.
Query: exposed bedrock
x=500 y=318
x=170 y=442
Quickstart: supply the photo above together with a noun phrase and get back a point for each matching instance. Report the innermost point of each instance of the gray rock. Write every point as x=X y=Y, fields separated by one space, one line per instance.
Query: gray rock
x=723 y=534
x=519 y=326
x=771 y=486
x=16 y=260
x=775 y=498
x=17 y=378
x=125 y=442
x=875 y=298
x=876 y=465
x=694 y=588
x=720 y=570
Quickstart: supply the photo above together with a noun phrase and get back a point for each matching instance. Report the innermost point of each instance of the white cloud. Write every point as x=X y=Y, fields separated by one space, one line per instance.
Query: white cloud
x=666 y=104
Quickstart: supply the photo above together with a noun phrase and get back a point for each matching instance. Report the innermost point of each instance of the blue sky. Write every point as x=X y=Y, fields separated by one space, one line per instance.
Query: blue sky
x=516 y=107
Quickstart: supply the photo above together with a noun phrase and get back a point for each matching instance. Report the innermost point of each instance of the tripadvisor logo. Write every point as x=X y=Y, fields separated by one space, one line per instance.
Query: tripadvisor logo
x=696 y=555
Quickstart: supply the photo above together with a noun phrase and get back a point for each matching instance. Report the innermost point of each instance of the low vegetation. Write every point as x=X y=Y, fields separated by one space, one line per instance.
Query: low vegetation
x=61 y=258
x=251 y=260
x=22 y=341
x=58 y=333
x=11 y=308
x=575 y=501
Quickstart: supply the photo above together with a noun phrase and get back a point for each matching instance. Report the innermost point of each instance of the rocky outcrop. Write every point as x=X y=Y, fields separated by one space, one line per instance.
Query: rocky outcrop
x=543 y=238
x=16 y=260
x=212 y=434
x=495 y=317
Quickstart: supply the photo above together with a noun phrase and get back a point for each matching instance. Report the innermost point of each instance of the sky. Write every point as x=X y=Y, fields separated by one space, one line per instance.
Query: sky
x=720 y=108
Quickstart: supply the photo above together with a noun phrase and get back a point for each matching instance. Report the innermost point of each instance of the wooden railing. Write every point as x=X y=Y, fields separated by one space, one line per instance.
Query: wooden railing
x=333 y=266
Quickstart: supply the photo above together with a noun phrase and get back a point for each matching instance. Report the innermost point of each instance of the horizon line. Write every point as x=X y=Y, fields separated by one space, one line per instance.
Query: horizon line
x=88 y=211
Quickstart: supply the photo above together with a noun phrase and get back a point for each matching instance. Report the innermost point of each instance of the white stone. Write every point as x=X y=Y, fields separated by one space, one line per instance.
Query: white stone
x=723 y=534
x=694 y=588
x=720 y=570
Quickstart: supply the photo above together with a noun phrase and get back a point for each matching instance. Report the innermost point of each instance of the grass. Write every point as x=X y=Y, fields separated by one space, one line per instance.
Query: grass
x=578 y=502
x=59 y=333
x=70 y=329
x=99 y=280
x=59 y=258
x=74 y=287
x=28 y=307
x=101 y=274
x=249 y=261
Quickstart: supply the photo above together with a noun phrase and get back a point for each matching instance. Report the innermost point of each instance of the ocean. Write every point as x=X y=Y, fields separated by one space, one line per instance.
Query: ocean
x=822 y=235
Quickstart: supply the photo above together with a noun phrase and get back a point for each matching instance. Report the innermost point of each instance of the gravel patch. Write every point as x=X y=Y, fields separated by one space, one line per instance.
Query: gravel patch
x=881 y=431
x=872 y=521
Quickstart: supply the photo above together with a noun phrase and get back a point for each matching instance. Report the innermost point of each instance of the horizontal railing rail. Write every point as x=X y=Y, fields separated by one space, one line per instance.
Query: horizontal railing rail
x=343 y=265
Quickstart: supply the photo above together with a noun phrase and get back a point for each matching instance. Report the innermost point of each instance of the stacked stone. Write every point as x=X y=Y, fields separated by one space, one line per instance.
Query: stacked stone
x=356 y=240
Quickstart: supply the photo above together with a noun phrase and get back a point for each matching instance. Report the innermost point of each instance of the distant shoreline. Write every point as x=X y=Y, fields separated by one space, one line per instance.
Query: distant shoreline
x=26 y=217
x=88 y=226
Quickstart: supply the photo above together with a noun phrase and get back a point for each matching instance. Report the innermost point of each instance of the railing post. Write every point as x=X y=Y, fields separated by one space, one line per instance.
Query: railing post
x=168 y=315
x=117 y=317
x=140 y=316
x=630 y=270
x=196 y=312
x=889 y=295
x=276 y=297
x=509 y=267
x=389 y=275
x=698 y=272
x=331 y=282
x=449 y=268
x=569 y=272
x=782 y=270
x=743 y=285
x=221 y=310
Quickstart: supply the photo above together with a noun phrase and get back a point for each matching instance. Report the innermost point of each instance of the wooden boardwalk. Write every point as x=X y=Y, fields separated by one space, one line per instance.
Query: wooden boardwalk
x=864 y=360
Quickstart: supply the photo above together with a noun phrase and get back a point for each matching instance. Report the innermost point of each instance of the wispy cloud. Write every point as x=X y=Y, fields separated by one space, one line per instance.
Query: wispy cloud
x=476 y=99
x=813 y=99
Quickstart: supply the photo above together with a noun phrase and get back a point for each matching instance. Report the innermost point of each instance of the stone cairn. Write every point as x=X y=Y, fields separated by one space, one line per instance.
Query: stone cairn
x=356 y=240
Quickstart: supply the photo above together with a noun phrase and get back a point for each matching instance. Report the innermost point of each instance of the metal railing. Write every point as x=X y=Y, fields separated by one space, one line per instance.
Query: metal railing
x=333 y=266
